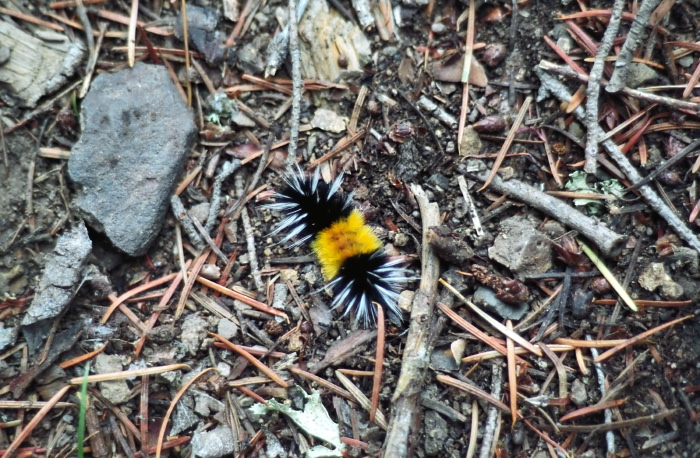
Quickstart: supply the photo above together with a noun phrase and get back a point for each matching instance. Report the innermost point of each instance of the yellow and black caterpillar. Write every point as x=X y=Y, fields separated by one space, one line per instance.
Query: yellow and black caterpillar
x=352 y=258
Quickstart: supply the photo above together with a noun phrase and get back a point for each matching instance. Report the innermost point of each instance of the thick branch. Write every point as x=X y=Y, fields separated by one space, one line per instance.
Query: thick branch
x=416 y=355
x=593 y=90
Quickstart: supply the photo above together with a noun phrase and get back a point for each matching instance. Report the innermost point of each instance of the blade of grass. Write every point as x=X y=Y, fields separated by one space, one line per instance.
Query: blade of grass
x=83 y=409
x=608 y=276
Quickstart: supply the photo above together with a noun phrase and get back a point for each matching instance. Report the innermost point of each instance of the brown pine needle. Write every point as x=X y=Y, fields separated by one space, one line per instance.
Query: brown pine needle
x=474 y=391
x=79 y=359
x=173 y=403
x=512 y=377
x=468 y=55
x=486 y=317
x=592 y=409
x=253 y=360
x=378 y=363
x=245 y=299
x=139 y=289
x=251 y=394
x=634 y=340
x=191 y=278
x=508 y=142
x=561 y=371
x=323 y=382
x=127 y=374
x=591 y=343
x=27 y=430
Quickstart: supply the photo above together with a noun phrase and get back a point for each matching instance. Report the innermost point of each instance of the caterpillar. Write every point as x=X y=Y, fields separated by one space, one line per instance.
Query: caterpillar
x=353 y=262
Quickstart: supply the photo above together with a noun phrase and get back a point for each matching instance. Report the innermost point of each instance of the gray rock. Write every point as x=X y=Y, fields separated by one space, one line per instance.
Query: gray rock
x=8 y=336
x=136 y=135
x=115 y=391
x=640 y=74
x=183 y=419
x=486 y=299
x=62 y=275
x=522 y=248
x=213 y=444
x=202 y=32
x=654 y=276
x=578 y=393
x=194 y=330
x=227 y=329
x=435 y=433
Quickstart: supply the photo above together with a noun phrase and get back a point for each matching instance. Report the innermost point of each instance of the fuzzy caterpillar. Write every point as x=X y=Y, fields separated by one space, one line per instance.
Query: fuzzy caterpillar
x=351 y=256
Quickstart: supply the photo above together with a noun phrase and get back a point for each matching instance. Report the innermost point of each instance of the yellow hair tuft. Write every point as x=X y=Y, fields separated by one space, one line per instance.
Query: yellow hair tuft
x=345 y=238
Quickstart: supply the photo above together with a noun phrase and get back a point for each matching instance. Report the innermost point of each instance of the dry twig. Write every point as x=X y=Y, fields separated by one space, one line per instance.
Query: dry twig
x=593 y=90
x=416 y=353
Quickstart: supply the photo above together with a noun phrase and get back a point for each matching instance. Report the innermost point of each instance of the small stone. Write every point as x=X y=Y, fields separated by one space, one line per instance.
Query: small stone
x=210 y=271
x=227 y=329
x=471 y=143
x=406 y=300
x=401 y=239
x=200 y=212
x=435 y=432
x=438 y=28
x=289 y=275
x=486 y=298
x=213 y=444
x=62 y=274
x=115 y=391
x=329 y=121
x=183 y=419
x=578 y=393
x=8 y=336
x=522 y=248
x=654 y=276
x=194 y=330
x=640 y=74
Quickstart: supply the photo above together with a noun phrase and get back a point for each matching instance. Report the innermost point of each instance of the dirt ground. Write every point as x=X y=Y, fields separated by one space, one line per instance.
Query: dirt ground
x=651 y=388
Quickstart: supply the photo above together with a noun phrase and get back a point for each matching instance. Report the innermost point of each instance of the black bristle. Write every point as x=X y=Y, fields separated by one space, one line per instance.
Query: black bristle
x=367 y=278
x=310 y=205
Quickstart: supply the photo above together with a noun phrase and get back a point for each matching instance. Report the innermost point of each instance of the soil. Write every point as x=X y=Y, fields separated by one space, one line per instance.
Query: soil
x=35 y=197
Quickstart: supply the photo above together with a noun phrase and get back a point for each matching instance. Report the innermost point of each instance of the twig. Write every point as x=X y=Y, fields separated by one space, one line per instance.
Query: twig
x=641 y=95
x=560 y=91
x=227 y=168
x=607 y=241
x=634 y=36
x=436 y=110
x=610 y=438
x=593 y=90
x=363 y=13
x=4 y=147
x=476 y=222
x=492 y=413
x=416 y=354
x=250 y=238
x=207 y=238
x=297 y=83
x=183 y=218
x=82 y=15
x=92 y=60
x=279 y=46
x=682 y=154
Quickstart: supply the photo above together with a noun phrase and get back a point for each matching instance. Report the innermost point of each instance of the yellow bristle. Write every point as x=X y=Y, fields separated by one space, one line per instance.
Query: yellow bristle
x=345 y=238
